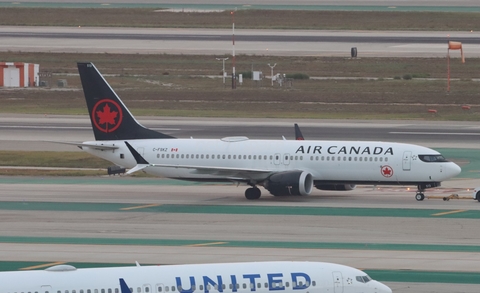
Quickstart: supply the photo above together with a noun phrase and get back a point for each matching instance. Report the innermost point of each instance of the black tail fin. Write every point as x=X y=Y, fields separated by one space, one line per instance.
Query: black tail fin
x=110 y=119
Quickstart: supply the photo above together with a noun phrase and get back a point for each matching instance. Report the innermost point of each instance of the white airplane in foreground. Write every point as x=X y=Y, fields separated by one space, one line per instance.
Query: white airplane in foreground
x=280 y=166
x=282 y=277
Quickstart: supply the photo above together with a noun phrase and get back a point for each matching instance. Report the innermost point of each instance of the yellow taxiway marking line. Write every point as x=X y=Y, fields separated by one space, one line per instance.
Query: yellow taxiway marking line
x=448 y=213
x=141 y=207
x=44 y=265
x=206 y=244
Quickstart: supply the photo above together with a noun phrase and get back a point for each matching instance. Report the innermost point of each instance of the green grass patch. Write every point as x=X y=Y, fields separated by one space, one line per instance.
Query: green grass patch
x=51 y=159
x=51 y=173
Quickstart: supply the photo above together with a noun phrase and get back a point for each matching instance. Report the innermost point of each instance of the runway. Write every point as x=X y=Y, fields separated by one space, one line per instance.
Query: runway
x=250 y=42
x=32 y=132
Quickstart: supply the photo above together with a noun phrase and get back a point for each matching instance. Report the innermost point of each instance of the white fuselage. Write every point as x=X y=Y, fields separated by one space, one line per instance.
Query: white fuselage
x=299 y=277
x=353 y=162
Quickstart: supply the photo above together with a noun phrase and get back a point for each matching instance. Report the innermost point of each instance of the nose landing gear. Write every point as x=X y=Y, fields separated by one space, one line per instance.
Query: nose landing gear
x=420 y=196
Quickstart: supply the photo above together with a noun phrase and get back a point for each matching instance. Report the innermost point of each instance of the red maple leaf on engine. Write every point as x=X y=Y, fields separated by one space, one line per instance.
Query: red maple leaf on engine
x=387 y=171
x=107 y=116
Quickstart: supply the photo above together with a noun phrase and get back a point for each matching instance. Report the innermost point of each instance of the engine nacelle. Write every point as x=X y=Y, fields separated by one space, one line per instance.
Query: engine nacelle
x=338 y=187
x=289 y=183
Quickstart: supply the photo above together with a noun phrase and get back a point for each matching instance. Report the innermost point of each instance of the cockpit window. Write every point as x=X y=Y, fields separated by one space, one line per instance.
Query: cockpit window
x=432 y=158
x=363 y=279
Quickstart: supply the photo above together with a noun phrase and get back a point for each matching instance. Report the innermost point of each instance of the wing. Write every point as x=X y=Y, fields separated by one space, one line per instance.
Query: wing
x=231 y=173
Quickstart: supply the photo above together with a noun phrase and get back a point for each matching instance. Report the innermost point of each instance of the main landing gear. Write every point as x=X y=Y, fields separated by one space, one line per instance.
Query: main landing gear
x=253 y=193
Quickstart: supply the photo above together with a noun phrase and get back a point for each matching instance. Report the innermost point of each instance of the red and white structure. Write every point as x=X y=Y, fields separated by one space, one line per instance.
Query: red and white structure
x=19 y=74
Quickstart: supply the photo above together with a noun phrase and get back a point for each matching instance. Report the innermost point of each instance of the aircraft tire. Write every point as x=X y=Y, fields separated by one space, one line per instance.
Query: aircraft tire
x=419 y=196
x=253 y=193
x=478 y=196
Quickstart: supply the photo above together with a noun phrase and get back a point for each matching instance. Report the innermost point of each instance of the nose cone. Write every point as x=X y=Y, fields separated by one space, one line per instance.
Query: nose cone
x=380 y=287
x=453 y=170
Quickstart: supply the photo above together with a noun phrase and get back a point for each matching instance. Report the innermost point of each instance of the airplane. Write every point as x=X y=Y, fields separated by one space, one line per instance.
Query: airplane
x=282 y=167
x=283 y=276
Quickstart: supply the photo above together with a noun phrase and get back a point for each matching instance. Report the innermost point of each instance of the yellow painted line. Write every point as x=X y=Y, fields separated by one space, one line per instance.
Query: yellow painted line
x=44 y=265
x=450 y=212
x=141 y=207
x=206 y=244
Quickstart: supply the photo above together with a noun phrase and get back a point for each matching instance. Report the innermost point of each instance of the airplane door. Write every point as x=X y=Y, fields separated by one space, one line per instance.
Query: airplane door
x=337 y=282
x=286 y=159
x=276 y=159
x=407 y=161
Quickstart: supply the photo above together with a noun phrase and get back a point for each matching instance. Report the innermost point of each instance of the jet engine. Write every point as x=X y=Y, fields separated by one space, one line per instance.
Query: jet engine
x=289 y=183
x=338 y=187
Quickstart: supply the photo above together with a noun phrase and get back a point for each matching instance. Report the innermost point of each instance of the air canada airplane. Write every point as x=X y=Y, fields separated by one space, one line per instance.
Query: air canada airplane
x=288 y=277
x=283 y=167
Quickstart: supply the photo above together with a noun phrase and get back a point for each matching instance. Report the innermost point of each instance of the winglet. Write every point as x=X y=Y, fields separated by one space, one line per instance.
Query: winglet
x=141 y=162
x=298 y=133
x=123 y=287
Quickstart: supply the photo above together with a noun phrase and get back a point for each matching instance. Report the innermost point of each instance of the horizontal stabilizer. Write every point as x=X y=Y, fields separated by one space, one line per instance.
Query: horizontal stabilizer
x=96 y=146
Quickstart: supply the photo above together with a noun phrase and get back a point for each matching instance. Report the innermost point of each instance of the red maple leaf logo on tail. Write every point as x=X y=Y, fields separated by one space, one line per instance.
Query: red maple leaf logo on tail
x=107 y=115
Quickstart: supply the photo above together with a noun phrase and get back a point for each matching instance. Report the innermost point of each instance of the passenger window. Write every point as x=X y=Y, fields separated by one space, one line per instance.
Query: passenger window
x=173 y=288
x=259 y=285
x=229 y=156
x=381 y=159
x=287 y=284
x=386 y=159
x=166 y=289
x=314 y=283
x=333 y=158
x=328 y=158
x=266 y=285
x=103 y=291
x=159 y=289
x=196 y=157
x=244 y=286
x=234 y=157
x=265 y=157
x=178 y=156
x=218 y=156
x=158 y=156
x=254 y=157
x=230 y=286
x=201 y=157
x=147 y=290
x=249 y=157
x=116 y=290
x=183 y=156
